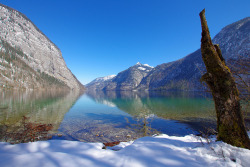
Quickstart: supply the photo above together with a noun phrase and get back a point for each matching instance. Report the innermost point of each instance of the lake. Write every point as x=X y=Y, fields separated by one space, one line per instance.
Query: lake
x=102 y=116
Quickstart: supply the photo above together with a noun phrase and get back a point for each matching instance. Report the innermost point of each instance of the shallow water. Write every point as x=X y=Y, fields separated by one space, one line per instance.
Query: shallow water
x=104 y=117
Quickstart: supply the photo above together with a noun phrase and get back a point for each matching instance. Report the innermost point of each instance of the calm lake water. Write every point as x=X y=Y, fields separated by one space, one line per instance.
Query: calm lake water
x=104 y=117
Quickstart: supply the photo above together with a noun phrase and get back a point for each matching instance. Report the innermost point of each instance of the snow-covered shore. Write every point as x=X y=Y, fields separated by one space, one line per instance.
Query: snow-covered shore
x=162 y=150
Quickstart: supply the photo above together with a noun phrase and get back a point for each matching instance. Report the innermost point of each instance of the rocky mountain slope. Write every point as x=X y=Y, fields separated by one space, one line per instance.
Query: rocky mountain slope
x=23 y=43
x=100 y=83
x=185 y=74
x=128 y=79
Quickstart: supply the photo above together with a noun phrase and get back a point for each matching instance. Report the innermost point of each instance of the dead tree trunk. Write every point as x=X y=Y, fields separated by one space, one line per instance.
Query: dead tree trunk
x=230 y=124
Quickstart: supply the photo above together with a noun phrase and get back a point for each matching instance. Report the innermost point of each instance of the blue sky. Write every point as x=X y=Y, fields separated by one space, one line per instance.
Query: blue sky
x=103 y=37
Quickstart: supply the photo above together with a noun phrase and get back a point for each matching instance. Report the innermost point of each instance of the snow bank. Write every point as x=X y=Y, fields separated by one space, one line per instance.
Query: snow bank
x=157 y=151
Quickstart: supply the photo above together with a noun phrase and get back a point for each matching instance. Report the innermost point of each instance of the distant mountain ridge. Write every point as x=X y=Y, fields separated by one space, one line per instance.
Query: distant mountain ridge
x=128 y=79
x=99 y=83
x=23 y=45
x=185 y=73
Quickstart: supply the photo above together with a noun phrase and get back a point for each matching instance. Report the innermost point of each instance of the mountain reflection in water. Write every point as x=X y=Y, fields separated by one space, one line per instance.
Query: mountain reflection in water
x=35 y=107
x=193 y=108
x=105 y=116
x=121 y=116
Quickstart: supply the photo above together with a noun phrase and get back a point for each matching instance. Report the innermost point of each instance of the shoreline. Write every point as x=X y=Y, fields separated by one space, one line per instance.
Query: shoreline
x=161 y=150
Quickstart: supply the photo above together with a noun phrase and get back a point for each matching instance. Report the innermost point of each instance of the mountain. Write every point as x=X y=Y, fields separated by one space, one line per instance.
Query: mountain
x=128 y=79
x=185 y=73
x=28 y=59
x=99 y=83
x=234 y=40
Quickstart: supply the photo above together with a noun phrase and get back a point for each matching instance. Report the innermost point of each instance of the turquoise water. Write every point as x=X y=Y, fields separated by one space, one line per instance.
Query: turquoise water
x=112 y=116
x=106 y=117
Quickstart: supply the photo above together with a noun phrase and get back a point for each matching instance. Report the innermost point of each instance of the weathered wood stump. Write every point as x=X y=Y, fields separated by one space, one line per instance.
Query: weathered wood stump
x=230 y=124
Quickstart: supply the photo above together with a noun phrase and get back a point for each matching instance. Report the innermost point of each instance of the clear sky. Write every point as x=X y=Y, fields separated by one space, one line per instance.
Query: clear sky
x=103 y=37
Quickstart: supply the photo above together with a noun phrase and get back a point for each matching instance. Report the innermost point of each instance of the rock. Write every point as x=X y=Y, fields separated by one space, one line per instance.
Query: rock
x=34 y=49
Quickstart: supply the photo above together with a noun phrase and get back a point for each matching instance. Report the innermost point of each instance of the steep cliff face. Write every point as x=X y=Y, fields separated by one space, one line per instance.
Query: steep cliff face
x=40 y=54
x=185 y=74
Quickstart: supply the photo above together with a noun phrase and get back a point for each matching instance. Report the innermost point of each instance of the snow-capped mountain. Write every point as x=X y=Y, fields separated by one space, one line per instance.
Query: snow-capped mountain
x=102 y=79
x=126 y=80
x=99 y=83
x=185 y=74
x=130 y=78
x=34 y=50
